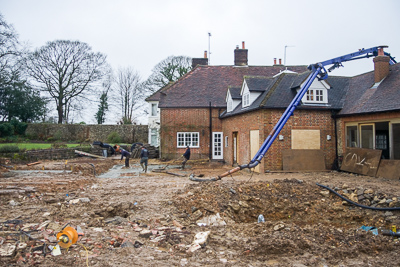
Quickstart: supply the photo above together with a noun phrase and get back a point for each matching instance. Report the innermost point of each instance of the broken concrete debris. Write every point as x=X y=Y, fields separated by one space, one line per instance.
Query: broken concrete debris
x=212 y=220
x=299 y=227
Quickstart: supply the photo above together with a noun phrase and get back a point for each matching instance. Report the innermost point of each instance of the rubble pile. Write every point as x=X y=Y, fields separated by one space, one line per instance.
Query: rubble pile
x=368 y=197
x=289 y=200
x=172 y=221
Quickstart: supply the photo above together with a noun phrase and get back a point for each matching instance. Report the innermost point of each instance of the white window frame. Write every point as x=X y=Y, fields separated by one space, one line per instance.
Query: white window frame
x=230 y=105
x=246 y=99
x=154 y=133
x=319 y=95
x=217 y=145
x=153 y=107
x=184 y=139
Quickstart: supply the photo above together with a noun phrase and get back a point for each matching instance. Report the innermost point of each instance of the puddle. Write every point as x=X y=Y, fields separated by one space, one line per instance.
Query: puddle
x=39 y=173
x=119 y=171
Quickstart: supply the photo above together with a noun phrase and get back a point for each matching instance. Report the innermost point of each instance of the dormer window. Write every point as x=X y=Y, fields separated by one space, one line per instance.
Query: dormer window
x=246 y=99
x=317 y=93
x=233 y=98
x=230 y=105
x=315 y=96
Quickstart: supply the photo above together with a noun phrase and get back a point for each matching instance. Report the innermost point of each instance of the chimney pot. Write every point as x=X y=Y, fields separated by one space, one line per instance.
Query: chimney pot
x=280 y=61
x=274 y=60
x=380 y=51
x=243 y=45
x=240 y=56
x=205 y=54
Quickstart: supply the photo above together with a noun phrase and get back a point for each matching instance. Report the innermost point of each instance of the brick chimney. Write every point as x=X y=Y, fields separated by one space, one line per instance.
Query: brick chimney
x=381 y=65
x=200 y=61
x=241 y=56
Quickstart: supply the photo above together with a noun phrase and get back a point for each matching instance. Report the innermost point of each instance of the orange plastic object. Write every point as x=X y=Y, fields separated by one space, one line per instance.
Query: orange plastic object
x=117 y=148
x=67 y=237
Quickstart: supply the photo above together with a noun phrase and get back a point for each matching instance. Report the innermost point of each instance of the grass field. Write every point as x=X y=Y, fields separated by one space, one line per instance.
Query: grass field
x=30 y=146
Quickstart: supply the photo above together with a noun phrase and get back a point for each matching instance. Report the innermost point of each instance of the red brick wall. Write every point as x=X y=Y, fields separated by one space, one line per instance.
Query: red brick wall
x=242 y=124
x=265 y=120
x=187 y=120
x=197 y=120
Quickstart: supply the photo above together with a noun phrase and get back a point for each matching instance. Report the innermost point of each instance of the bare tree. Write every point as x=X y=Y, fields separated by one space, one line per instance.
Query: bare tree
x=9 y=52
x=129 y=93
x=168 y=70
x=66 y=70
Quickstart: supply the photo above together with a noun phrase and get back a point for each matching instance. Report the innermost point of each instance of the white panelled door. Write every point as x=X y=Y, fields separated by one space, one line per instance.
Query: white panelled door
x=217 y=145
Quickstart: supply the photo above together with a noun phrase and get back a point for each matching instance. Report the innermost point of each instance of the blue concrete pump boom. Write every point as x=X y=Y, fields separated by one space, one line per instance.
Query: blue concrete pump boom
x=317 y=71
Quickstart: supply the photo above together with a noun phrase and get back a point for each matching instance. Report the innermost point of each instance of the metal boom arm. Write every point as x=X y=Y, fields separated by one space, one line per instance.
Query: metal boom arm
x=317 y=69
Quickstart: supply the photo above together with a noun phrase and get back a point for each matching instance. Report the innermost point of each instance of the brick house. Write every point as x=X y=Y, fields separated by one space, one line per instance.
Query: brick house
x=190 y=108
x=370 y=117
x=226 y=112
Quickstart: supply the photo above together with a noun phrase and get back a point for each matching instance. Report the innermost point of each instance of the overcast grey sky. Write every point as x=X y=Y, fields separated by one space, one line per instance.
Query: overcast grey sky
x=141 y=33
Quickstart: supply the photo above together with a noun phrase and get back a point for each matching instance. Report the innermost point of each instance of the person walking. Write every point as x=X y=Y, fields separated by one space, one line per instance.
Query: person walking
x=125 y=154
x=186 y=157
x=144 y=156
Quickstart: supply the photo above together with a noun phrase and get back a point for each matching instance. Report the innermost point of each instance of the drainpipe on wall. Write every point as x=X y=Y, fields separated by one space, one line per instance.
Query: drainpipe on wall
x=336 y=162
x=210 y=150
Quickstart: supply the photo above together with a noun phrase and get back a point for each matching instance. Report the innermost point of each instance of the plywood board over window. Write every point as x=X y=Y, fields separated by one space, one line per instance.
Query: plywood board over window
x=303 y=160
x=306 y=139
x=255 y=146
x=361 y=160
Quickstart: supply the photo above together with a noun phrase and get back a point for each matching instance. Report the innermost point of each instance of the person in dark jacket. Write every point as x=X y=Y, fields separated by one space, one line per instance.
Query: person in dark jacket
x=125 y=154
x=186 y=157
x=144 y=156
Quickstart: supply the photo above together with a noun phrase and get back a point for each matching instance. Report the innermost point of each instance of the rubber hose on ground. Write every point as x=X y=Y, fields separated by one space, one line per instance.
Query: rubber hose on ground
x=355 y=203
x=203 y=180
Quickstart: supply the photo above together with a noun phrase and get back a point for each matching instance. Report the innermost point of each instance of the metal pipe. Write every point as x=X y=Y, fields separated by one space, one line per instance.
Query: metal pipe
x=211 y=137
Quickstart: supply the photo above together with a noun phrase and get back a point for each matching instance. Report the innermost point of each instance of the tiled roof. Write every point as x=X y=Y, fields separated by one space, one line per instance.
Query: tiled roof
x=235 y=92
x=362 y=99
x=257 y=83
x=205 y=84
x=156 y=96
x=282 y=89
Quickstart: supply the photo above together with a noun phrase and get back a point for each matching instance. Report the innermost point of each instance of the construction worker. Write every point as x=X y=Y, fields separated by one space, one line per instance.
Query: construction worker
x=186 y=157
x=144 y=156
x=116 y=148
x=125 y=154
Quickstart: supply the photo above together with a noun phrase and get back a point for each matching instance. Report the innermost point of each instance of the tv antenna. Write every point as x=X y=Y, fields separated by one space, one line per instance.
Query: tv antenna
x=284 y=57
x=209 y=49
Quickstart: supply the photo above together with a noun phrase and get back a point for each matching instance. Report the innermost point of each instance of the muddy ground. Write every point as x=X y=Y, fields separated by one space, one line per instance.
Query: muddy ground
x=131 y=218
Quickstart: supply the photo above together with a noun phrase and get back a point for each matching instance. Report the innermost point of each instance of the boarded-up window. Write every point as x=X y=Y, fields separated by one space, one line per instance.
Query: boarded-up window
x=254 y=146
x=306 y=139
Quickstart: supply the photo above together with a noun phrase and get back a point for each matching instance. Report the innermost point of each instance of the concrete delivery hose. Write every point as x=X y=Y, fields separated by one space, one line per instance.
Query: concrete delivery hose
x=355 y=203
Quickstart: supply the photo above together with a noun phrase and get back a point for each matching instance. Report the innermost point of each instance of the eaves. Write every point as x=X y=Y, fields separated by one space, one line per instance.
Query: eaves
x=366 y=113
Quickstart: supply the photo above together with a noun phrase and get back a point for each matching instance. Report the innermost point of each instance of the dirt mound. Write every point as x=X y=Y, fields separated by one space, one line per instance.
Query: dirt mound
x=300 y=219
